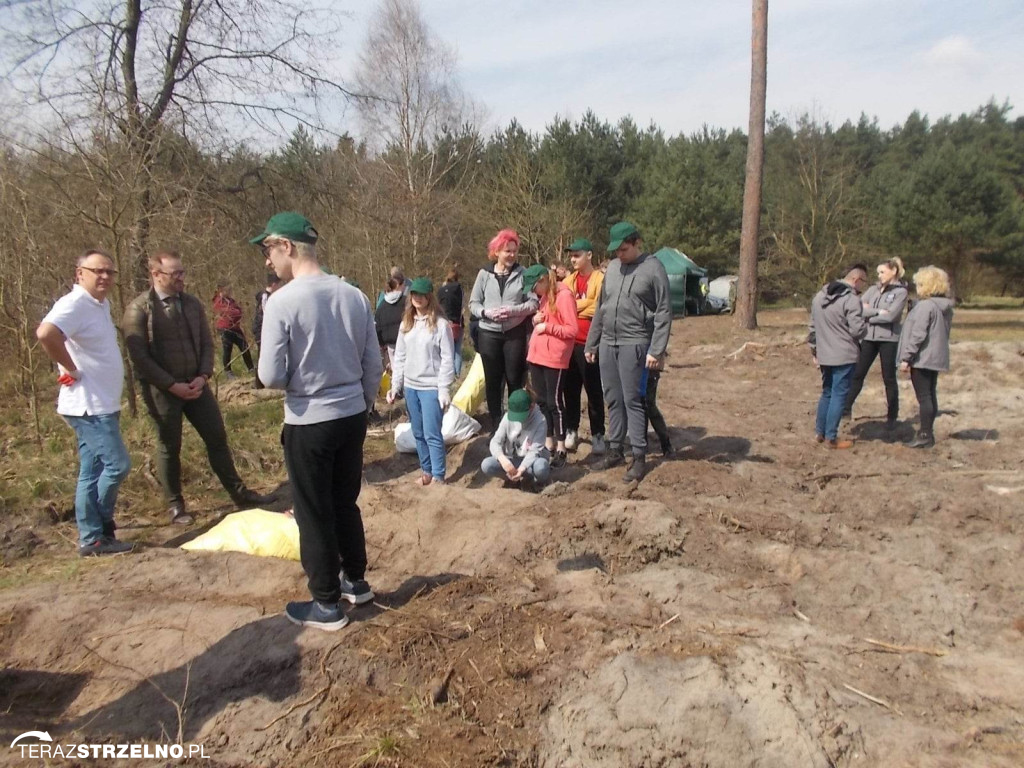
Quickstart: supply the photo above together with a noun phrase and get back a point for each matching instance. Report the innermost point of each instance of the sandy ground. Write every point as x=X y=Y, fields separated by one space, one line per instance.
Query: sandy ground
x=758 y=600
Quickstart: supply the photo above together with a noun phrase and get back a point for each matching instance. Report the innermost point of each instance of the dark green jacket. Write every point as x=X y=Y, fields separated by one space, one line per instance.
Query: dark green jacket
x=158 y=359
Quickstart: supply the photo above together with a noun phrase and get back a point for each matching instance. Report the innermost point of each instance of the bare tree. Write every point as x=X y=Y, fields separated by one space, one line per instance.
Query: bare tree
x=746 y=299
x=417 y=118
x=125 y=73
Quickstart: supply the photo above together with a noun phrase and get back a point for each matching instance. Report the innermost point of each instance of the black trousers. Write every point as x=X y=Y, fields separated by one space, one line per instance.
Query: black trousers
x=203 y=413
x=230 y=340
x=325 y=468
x=583 y=375
x=549 y=386
x=653 y=412
x=925 y=383
x=868 y=351
x=504 y=359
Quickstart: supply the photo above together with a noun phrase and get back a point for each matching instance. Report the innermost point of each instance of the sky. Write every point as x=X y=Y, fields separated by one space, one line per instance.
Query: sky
x=683 y=64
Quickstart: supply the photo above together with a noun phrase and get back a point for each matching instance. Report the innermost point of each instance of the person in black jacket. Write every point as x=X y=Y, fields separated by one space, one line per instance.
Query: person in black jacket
x=388 y=318
x=449 y=296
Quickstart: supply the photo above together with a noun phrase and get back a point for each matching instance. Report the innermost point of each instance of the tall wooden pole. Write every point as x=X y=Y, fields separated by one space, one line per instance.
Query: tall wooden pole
x=746 y=299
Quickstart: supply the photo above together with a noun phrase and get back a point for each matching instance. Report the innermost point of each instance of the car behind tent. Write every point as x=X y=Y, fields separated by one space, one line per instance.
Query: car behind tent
x=683 y=280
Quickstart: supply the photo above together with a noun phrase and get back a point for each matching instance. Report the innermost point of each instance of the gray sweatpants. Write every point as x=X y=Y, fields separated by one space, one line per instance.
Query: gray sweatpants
x=624 y=381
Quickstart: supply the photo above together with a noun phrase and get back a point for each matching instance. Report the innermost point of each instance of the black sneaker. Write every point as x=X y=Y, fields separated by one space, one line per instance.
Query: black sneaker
x=923 y=440
x=356 y=592
x=613 y=459
x=559 y=459
x=325 y=616
x=637 y=470
x=105 y=546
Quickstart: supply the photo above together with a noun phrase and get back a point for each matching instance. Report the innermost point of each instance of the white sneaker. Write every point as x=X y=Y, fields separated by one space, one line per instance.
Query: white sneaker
x=597 y=446
x=571 y=440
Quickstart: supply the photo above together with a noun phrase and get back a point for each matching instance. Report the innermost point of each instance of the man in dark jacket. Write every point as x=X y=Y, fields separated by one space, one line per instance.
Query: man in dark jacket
x=836 y=329
x=171 y=348
x=628 y=337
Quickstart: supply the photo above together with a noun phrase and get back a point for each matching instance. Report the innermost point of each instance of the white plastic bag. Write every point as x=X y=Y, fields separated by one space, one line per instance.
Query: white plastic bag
x=456 y=427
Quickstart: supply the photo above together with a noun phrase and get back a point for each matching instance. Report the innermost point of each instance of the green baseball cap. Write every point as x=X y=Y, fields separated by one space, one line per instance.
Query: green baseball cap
x=580 y=244
x=531 y=275
x=289 y=225
x=519 y=403
x=620 y=232
x=421 y=285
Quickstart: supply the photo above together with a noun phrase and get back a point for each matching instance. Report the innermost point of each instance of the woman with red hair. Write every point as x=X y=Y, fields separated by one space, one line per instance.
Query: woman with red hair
x=502 y=307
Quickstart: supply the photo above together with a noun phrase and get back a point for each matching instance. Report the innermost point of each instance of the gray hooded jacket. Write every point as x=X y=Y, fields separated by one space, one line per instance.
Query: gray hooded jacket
x=837 y=325
x=634 y=307
x=487 y=295
x=924 y=342
x=884 y=311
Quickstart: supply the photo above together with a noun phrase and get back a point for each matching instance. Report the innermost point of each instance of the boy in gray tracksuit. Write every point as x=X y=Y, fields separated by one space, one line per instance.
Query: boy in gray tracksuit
x=629 y=335
x=836 y=328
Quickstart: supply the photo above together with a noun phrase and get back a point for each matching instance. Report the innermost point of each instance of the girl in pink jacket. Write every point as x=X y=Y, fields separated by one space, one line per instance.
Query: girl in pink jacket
x=554 y=334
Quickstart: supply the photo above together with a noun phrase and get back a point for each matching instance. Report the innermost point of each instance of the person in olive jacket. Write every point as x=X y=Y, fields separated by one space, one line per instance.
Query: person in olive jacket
x=171 y=348
x=883 y=305
x=924 y=346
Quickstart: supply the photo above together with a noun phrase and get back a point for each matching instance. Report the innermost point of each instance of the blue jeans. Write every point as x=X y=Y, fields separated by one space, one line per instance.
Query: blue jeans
x=835 y=385
x=540 y=469
x=425 y=415
x=104 y=464
x=457 y=333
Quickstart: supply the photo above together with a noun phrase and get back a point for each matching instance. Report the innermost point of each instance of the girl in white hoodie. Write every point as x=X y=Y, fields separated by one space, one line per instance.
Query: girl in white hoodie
x=424 y=368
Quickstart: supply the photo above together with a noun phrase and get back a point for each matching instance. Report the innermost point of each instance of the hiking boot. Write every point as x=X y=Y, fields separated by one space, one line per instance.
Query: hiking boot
x=357 y=592
x=923 y=440
x=597 y=446
x=559 y=459
x=178 y=513
x=637 y=470
x=840 y=445
x=326 y=616
x=109 y=526
x=572 y=439
x=248 y=498
x=104 y=546
x=613 y=459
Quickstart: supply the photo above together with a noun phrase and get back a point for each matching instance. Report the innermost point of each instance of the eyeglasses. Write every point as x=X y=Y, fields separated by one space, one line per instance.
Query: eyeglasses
x=100 y=272
x=175 y=273
x=267 y=246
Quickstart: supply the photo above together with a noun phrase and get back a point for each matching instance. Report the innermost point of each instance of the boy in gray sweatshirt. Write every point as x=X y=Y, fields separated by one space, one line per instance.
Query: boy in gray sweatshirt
x=628 y=337
x=836 y=328
x=320 y=346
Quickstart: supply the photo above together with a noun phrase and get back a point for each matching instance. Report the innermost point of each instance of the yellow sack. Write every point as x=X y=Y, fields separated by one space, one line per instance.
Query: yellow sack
x=254 y=531
x=471 y=394
x=385 y=385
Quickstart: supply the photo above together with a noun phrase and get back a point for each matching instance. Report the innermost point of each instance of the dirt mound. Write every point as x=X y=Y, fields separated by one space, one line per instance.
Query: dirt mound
x=666 y=712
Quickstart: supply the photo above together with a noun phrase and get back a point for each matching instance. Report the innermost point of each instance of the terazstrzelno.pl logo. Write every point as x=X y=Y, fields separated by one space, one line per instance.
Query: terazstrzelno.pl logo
x=45 y=748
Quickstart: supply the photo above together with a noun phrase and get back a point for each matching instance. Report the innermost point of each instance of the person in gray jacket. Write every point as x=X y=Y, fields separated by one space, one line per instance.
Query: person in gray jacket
x=836 y=329
x=502 y=308
x=924 y=346
x=883 y=306
x=628 y=337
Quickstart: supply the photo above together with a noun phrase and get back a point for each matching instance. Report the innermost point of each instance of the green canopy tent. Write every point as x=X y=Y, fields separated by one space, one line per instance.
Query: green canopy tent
x=683 y=279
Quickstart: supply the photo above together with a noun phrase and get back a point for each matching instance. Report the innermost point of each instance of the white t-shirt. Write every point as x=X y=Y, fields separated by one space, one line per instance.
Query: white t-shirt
x=92 y=344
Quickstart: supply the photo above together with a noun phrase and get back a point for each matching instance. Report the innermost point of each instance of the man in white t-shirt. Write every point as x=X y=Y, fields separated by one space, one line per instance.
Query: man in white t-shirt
x=80 y=337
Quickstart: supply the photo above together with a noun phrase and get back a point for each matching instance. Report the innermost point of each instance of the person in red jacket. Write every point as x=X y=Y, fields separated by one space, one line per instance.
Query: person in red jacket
x=228 y=314
x=554 y=333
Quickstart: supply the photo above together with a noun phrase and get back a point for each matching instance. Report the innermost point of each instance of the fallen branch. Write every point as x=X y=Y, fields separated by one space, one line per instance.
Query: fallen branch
x=753 y=345
x=905 y=648
x=725 y=519
x=800 y=615
x=291 y=709
x=874 y=699
x=667 y=622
